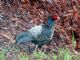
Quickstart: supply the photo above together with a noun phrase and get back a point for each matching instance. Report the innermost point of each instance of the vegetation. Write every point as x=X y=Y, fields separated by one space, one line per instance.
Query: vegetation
x=63 y=54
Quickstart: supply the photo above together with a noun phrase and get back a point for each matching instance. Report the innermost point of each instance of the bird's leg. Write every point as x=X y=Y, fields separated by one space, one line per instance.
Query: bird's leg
x=36 y=47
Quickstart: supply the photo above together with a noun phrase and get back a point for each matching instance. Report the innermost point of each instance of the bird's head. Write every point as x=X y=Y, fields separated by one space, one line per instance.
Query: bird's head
x=55 y=17
x=52 y=19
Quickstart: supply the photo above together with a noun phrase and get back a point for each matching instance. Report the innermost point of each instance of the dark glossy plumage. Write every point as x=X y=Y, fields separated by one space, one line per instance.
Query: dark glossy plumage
x=38 y=35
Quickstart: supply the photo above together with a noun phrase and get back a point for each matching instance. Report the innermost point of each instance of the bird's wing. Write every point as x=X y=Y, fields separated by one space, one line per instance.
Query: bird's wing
x=23 y=37
x=35 y=31
x=24 y=40
x=20 y=35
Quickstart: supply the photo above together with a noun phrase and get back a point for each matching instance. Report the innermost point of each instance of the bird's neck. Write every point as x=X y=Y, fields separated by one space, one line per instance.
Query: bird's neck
x=51 y=23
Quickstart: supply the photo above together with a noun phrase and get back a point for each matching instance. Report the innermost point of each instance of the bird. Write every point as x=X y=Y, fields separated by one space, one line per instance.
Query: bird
x=39 y=34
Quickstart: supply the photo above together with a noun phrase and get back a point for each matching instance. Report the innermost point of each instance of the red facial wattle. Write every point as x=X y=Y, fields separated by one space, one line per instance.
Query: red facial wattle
x=54 y=17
